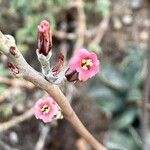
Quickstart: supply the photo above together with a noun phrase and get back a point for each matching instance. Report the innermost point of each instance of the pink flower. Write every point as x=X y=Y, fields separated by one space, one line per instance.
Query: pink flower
x=46 y=109
x=44 y=38
x=85 y=63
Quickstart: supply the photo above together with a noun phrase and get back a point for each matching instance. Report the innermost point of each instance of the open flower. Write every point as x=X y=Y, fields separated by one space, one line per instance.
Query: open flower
x=85 y=63
x=46 y=109
x=44 y=38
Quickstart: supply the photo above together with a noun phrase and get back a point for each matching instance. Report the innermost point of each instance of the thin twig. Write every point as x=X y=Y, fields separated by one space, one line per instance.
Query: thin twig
x=8 y=93
x=11 y=123
x=16 y=82
x=5 y=94
x=101 y=30
x=81 y=24
x=145 y=102
x=82 y=144
x=43 y=135
x=4 y=146
x=64 y=35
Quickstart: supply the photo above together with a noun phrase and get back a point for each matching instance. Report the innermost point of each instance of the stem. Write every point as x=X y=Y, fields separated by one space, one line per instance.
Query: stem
x=44 y=61
x=27 y=72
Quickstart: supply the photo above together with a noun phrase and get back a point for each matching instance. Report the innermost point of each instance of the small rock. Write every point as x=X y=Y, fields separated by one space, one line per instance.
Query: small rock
x=146 y=23
x=144 y=35
x=136 y=4
x=117 y=23
x=127 y=20
x=13 y=137
x=20 y=108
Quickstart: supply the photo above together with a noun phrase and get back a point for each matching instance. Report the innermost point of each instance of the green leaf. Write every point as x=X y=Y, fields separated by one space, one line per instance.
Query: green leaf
x=124 y=120
x=102 y=6
x=18 y=3
x=132 y=65
x=3 y=88
x=134 y=94
x=136 y=137
x=95 y=48
x=113 y=78
x=105 y=98
x=3 y=71
x=6 y=109
x=120 y=141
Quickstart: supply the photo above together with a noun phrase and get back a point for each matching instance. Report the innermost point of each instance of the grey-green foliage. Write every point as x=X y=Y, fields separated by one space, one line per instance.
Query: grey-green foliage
x=105 y=97
x=118 y=90
x=95 y=48
x=25 y=15
x=6 y=107
x=102 y=7
x=121 y=141
x=3 y=71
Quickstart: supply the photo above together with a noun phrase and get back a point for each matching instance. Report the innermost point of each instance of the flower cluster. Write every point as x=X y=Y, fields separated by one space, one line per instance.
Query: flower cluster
x=82 y=66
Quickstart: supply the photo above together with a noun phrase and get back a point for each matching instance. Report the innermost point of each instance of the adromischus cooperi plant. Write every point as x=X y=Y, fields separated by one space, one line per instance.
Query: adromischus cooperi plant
x=50 y=76
x=82 y=66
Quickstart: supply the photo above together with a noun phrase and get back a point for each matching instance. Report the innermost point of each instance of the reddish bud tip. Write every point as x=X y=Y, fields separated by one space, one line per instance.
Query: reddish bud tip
x=44 y=38
x=13 y=68
x=59 y=64
x=71 y=75
x=13 y=50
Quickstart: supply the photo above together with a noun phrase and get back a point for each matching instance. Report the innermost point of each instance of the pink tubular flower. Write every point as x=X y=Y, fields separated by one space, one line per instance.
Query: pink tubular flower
x=44 y=38
x=85 y=63
x=46 y=109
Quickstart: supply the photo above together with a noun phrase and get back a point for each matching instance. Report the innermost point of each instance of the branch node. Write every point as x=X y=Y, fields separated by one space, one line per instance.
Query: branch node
x=13 y=51
x=13 y=68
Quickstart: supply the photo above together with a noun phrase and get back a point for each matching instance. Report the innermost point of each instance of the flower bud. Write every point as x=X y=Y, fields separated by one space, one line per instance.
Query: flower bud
x=59 y=64
x=44 y=38
x=13 y=68
x=71 y=75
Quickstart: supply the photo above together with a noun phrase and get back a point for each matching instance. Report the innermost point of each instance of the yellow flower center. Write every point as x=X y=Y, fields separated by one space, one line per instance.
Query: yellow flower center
x=86 y=64
x=45 y=109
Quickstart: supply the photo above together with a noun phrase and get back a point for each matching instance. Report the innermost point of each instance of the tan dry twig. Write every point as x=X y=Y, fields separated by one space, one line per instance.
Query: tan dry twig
x=16 y=82
x=101 y=30
x=41 y=141
x=4 y=146
x=11 y=123
x=81 y=24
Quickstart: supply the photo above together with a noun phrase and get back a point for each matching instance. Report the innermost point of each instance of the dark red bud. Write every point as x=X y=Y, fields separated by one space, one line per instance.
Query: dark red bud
x=13 y=68
x=44 y=38
x=59 y=65
x=71 y=75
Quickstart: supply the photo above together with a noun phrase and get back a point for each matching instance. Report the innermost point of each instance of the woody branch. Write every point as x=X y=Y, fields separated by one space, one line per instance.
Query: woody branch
x=21 y=68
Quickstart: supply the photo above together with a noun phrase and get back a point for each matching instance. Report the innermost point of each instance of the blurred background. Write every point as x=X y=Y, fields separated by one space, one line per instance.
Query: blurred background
x=113 y=105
